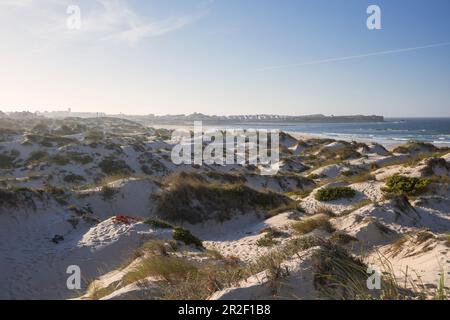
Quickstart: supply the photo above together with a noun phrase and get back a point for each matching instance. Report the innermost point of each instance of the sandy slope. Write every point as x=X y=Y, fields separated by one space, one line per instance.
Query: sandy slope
x=33 y=266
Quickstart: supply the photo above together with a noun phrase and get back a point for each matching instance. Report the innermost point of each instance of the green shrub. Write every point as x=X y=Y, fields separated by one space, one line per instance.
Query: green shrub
x=94 y=135
x=108 y=192
x=334 y=193
x=61 y=159
x=49 y=189
x=187 y=237
x=406 y=185
x=73 y=178
x=7 y=161
x=111 y=166
x=37 y=156
x=156 y=223
x=81 y=158
x=9 y=198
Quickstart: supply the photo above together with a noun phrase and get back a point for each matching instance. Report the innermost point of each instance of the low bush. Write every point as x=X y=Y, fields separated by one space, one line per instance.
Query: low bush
x=157 y=223
x=108 y=193
x=37 y=156
x=185 y=236
x=411 y=186
x=7 y=161
x=73 y=178
x=112 y=166
x=9 y=198
x=334 y=193
x=61 y=159
x=81 y=158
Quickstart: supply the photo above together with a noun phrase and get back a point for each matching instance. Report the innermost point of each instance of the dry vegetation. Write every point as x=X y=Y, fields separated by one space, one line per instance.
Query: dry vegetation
x=189 y=197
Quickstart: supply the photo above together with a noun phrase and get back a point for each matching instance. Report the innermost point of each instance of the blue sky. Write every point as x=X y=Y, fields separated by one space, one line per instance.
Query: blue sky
x=226 y=57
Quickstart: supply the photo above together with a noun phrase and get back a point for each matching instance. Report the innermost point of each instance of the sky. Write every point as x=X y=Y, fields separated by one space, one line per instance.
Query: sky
x=289 y=57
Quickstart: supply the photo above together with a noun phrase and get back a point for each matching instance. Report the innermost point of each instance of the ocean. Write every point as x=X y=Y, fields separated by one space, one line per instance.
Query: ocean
x=391 y=131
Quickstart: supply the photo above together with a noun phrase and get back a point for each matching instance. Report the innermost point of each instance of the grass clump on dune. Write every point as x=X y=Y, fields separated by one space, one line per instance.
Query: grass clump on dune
x=334 y=193
x=168 y=268
x=205 y=281
x=342 y=238
x=266 y=241
x=307 y=225
x=189 y=197
x=447 y=239
x=339 y=275
x=411 y=186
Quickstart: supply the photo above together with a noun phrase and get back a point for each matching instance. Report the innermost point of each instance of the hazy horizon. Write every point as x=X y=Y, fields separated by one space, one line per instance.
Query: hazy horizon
x=226 y=57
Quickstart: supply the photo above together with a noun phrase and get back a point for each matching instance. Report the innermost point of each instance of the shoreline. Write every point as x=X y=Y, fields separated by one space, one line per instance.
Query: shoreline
x=389 y=144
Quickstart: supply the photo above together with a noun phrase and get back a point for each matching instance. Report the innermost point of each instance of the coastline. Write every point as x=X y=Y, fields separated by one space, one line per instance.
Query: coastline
x=388 y=143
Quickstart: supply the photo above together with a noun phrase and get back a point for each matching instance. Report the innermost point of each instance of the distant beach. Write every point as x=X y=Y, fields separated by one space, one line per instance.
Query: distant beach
x=390 y=133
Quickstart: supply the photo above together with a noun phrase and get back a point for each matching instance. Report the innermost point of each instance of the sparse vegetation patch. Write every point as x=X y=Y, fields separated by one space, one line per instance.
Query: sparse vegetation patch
x=192 y=199
x=157 y=223
x=185 y=236
x=411 y=186
x=335 y=193
x=310 y=224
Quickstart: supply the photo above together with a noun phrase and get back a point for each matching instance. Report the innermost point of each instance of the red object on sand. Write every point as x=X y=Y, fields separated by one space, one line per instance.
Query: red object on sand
x=126 y=219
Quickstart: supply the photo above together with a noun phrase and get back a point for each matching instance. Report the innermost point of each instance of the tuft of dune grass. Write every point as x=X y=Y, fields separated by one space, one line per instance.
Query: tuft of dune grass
x=307 y=225
x=168 y=268
x=190 y=198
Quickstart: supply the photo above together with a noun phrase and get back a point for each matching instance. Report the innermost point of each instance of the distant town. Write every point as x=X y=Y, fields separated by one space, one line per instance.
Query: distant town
x=181 y=119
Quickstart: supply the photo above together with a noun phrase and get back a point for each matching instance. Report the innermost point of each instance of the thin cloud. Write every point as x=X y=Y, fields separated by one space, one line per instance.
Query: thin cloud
x=101 y=20
x=359 y=56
